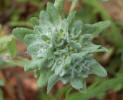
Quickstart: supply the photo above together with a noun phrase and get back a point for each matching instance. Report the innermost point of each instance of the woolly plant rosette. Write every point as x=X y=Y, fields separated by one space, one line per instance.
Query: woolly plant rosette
x=61 y=49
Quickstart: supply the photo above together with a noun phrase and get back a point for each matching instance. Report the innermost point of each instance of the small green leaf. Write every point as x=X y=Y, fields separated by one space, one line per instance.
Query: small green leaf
x=29 y=38
x=97 y=69
x=8 y=45
x=12 y=48
x=91 y=48
x=35 y=64
x=76 y=29
x=44 y=18
x=43 y=78
x=37 y=49
x=53 y=13
x=4 y=43
x=34 y=21
x=77 y=83
x=71 y=17
x=21 y=32
x=51 y=82
x=59 y=5
x=45 y=23
x=97 y=28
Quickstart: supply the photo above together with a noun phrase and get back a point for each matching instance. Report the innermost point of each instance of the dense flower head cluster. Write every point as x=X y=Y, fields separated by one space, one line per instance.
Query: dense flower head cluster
x=62 y=48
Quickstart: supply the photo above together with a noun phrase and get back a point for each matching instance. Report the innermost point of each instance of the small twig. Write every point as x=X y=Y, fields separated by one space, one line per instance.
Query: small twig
x=7 y=57
x=8 y=87
x=20 y=91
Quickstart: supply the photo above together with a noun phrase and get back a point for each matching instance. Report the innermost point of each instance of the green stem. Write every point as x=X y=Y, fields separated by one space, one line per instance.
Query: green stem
x=74 y=2
x=59 y=4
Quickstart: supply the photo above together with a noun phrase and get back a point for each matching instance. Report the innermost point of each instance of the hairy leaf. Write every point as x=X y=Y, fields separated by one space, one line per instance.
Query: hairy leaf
x=8 y=45
x=95 y=29
x=20 y=33
x=52 y=80
x=43 y=78
x=77 y=84
x=97 y=69
x=12 y=48
x=34 y=21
